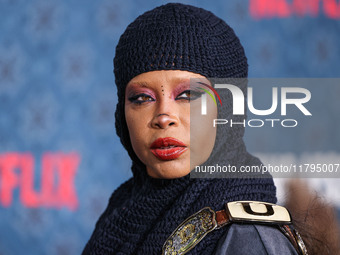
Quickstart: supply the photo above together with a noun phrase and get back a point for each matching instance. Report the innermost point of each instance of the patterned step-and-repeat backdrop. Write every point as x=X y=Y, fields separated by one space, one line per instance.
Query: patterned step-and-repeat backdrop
x=59 y=156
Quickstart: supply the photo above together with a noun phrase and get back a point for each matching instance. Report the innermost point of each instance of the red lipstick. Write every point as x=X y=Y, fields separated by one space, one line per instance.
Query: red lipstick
x=167 y=148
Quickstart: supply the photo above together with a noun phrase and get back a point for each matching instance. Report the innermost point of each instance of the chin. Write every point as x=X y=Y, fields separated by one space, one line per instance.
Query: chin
x=169 y=170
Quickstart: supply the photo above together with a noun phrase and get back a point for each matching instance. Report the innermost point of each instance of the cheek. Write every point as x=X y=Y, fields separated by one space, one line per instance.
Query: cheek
x=202 y=133
x=136 y=124
x=207 y=132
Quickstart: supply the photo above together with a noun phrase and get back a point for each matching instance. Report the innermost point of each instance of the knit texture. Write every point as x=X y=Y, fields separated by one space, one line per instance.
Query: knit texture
x=141 y=215
x=144 y=211
x=175 y=37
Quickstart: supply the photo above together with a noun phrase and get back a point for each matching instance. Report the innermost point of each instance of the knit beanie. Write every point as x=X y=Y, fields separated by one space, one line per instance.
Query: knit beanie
x=176 y=37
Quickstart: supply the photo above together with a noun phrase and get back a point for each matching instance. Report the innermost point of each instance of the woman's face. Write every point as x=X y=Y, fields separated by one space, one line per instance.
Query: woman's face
x=157 y=111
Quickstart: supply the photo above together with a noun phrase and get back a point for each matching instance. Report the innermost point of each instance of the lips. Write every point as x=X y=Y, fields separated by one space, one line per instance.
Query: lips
x=167 y=148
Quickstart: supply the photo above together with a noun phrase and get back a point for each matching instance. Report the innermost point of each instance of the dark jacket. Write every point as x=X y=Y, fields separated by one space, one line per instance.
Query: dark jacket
x=254 y=239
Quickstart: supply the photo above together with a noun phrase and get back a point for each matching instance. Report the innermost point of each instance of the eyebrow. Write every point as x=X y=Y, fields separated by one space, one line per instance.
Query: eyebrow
x=141 y=84
x=180 y=81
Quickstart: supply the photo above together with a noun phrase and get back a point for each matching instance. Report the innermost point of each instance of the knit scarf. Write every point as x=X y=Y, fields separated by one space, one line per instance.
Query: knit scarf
x=144 y=211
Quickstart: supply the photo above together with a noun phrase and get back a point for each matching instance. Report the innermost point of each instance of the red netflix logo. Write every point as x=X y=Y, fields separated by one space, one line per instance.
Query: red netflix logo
x=57 y=188
x=260 y=9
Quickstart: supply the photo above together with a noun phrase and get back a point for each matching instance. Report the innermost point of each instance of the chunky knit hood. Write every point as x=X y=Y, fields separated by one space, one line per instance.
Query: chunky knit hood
x=144 y=211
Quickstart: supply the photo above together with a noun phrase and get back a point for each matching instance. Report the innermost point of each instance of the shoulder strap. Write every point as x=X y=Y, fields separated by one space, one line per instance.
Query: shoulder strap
x=190 y=232
x=294 y=237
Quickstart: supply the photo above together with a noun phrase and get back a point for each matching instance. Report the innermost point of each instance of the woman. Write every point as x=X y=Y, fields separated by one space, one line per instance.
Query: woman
x=156 y=57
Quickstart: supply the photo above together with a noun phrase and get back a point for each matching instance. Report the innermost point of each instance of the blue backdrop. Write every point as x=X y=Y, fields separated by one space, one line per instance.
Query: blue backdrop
x=59 y=156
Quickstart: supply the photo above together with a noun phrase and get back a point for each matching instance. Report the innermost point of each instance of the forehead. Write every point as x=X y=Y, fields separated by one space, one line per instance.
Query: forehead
x=163 y=78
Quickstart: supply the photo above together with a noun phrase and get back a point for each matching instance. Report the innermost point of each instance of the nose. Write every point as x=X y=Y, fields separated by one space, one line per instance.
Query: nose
x=164 y=120
x=165 y=115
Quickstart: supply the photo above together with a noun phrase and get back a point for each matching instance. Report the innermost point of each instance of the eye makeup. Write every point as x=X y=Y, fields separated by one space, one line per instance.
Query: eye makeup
x=190 y=95
x=140 y=98
x=139 y=93
x=186 y=91
x=180 y=88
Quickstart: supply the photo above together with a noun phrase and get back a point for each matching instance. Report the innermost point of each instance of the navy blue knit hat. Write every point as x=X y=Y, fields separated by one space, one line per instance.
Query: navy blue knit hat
x=175 y=37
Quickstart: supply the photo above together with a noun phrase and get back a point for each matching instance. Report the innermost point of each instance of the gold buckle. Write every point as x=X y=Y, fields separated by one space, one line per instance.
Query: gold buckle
x=190 y=232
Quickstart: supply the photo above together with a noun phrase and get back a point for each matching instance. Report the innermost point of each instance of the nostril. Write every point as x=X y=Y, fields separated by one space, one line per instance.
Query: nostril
x=171 y=123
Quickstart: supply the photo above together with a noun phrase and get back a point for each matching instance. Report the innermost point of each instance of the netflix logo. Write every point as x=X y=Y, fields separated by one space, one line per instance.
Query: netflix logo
x=55 y=181
x=260 y=9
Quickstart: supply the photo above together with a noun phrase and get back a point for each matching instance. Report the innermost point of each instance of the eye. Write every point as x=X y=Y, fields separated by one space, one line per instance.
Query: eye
x=189 y=95
x=140 y=98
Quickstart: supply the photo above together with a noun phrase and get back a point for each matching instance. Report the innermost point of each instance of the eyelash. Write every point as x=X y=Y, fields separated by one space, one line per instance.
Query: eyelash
x=134 y=99
x=195 y=94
